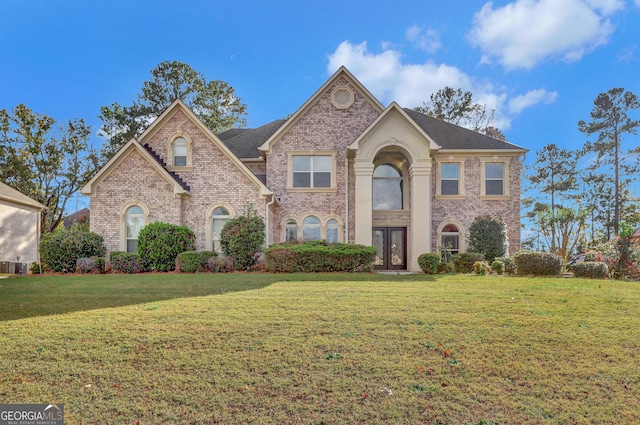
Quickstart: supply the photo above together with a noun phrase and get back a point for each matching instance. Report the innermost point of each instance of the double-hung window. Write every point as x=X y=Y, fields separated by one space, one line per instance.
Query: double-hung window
x=450 y=179
x=494 y=178
x=311 y=171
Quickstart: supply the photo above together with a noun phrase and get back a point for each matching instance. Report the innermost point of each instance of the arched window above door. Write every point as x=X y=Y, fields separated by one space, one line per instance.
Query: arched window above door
x=388 y=185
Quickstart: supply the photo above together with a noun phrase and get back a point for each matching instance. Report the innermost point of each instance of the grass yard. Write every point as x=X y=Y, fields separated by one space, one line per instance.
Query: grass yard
x=314 y=349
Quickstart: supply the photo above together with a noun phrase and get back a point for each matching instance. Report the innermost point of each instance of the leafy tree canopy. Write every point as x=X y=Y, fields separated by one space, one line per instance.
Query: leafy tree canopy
x=45 y=161
x=457 y=107
x=214 y=102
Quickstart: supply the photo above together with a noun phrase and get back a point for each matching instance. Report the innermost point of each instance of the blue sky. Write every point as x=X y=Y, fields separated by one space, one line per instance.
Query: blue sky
x=538 y=63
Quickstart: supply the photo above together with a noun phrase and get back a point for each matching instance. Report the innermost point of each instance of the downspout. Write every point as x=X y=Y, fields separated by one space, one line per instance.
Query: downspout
x=266 y=215
x=346 y=199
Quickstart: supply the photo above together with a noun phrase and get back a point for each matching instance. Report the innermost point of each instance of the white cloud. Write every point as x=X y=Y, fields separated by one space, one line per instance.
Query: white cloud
x=637 y=2
x=533 y=97
x=426 y=40
x=525 y=33
x=389 y=79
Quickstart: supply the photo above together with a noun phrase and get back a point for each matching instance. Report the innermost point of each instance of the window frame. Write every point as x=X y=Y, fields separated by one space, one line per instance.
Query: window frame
x=208 y=222
x=123 y=220
x=401 y=178
x=311 y=154
x=506 y=193
x=461 y=174
x=170 y=152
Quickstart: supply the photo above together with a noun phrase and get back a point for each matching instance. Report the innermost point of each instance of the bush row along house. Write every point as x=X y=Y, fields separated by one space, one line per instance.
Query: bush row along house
x=342 y=168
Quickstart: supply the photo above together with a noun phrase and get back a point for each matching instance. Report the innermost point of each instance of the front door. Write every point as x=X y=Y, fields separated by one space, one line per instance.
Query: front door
x=391 y=243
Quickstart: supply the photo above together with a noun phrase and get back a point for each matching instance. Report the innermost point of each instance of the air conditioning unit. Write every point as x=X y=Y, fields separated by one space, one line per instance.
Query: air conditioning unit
x=4 y=267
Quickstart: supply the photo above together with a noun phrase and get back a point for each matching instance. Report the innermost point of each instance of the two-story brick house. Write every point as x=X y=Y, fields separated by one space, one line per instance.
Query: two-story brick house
x=342 y=168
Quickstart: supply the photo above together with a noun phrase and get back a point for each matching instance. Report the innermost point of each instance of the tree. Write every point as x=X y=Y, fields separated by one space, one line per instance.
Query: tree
x=457 y=107
x=46 y=162
x=214 y=102
x=487 y=235
x=568 y=225
x=610 y=120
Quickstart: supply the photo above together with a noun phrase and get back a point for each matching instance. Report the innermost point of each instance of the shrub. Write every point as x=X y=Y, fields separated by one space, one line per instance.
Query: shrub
x=591 y=269
x=481 y=268
x=319 y=256
x=538 y=263
x=488 y=236
x=509 y=263
x=90 y=265
x=242 y=239
x=497 y=267
x=60 y=250
x=36 y=268
x=160 y=243
x=125 y=262
x=446 y=267
x=220 y=264
x=429 y=262
x=193 y=261
x=464 y=261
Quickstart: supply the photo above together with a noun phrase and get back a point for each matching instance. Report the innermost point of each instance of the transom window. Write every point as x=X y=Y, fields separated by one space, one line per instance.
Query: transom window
x=180 y=152
x=311 y=229
x=219 y=218
x=387 y=188
x=311 y=171
x=494 y=178
x=450 y=179
x=134 y=222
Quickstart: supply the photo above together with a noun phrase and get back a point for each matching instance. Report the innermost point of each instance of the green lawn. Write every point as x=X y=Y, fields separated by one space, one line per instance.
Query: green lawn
x=313 y=349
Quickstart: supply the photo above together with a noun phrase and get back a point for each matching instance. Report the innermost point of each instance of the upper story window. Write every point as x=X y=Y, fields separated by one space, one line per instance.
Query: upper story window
x=312 y=172
x=180 y=152
x=450 y=179
x=494 y=178
x=179 y=155
x=387 y=188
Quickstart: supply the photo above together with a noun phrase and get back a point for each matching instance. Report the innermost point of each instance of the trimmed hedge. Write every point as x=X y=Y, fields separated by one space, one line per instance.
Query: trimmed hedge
x=60 y=250
x=160 y=243
x=90 y=265
x=125 y=262
x=538 y=263
x=464 y=261
x=194 y=261
x=591 y=269
x=319 y=256
x=429 y=262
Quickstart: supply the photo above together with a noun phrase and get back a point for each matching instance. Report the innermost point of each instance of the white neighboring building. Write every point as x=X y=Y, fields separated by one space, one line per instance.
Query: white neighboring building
x=19 y=226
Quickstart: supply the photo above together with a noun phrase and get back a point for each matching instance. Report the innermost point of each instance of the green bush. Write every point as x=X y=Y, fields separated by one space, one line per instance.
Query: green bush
x=429 y=262
x=90 y=265
x=488 y=236
x=446 y=267
x=160 y=243
x=36 y=268
x=242 y=239
x=591 y=269
x=194 y=261
x=125 y=262
x=319 y=256
x=464 y=261
x=538 y=263
x=60 y=250
x=481 y=268
x=497 y=267
x=509 y=263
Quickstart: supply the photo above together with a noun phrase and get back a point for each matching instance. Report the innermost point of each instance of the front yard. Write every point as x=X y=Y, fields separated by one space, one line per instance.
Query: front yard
x=334 y=349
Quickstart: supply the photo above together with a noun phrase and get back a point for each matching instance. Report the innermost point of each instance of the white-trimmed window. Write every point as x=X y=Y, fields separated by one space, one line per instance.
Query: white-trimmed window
x=134 y=222
x=388 y=185
x=179 y=152
x=450 y=239
x=291 y=231
x=219 y=218
x=312 y=171
x=311 y=230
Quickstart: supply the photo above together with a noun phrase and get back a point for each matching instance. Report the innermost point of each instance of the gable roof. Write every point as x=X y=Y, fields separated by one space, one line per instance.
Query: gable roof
x=451 y=136
x=341 y=72
x=7 y=193
x=179 y=187
x=245 y=142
